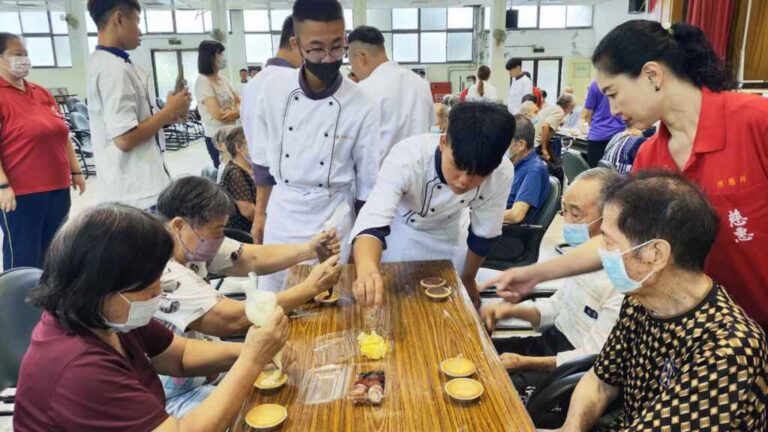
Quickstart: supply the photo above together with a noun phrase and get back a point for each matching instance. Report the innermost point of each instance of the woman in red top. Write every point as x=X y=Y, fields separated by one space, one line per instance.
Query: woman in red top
x=714 y=137
x=37 y=161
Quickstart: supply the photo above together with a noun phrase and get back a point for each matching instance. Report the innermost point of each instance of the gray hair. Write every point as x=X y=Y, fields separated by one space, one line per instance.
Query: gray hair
x=453 y=101
x=607 y=177
x=566 y=101
x=524 y=130
x=195 y=199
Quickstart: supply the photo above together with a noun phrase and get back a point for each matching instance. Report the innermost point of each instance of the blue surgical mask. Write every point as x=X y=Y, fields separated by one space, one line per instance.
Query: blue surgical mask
x=577 y=233
x=434 y=129
x=613 y=264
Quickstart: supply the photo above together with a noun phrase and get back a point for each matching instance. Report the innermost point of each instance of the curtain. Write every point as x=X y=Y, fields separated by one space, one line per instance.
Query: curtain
x=756 y=52
x=714 y=18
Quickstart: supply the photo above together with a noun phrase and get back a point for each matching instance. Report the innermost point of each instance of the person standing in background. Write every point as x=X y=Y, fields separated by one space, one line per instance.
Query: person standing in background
x=483 y=91
x=471 y=80
x=218 y=102
x=285 y=59
x=37 y=161
x=521 y=85
x=602 y=125
x=243 y=81
x=126 y=126
x=404 y=99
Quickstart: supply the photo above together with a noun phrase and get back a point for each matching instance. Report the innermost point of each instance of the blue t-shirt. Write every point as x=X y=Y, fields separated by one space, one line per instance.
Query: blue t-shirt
x=603 y=125
x=531 y=185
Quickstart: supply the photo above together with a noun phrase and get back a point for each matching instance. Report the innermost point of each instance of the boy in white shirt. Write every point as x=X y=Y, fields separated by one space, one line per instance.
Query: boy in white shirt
x=126 y=126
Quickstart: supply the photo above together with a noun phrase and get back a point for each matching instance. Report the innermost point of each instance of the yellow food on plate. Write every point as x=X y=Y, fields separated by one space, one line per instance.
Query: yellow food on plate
x=372 y=345
x=458 y=366
x=266 y=416
x=464 y=388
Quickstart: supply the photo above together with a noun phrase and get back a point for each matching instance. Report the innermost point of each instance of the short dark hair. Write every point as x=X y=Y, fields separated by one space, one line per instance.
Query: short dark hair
x=658 y=204
x=524 y=130
x=530 y=97
x=479 y=135
x=317 y=10
x=484 y=72
x=206 y=56
x=4 y=39
x=287 y=32
x=543 y=94
x=101 y=10
x=195 y=199
x=367 y=35
x=513 y=63
x=244 y=70
x=234 y=137
x=683 y=48
x=107 y=249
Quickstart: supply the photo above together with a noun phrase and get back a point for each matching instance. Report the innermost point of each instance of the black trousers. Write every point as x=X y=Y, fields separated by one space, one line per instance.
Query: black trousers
x=595 y=151
x=548 y=344
x=213 y=152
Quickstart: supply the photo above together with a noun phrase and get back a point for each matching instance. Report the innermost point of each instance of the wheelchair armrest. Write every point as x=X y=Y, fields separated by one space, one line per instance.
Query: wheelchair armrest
x=578 y=366
x=539 y=293
x=520 y=228
x=553 y=401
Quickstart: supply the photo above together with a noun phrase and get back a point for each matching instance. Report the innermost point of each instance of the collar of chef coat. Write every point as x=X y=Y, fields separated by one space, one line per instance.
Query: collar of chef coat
x=277 y=61
x=439 y=165
x=116 y=51
x=330 y=90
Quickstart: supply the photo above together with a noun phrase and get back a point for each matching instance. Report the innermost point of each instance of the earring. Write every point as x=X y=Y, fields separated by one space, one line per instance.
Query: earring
x=657 y=88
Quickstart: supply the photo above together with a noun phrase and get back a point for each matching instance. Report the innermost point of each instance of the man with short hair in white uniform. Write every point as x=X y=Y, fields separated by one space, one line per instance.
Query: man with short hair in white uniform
x=285 y=59
x=404 y=98
x=126 y=126
x=319 y=133
x=521 y=85
x=426 y=186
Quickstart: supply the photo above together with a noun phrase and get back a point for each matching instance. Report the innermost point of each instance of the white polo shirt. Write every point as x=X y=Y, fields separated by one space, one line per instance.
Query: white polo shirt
x=120 y=96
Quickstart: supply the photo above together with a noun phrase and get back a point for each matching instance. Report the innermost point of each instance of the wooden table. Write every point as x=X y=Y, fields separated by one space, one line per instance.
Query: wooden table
x=424 y=332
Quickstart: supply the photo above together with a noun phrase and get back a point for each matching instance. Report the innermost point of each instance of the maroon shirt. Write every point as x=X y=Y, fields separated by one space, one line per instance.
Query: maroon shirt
x=70 y=382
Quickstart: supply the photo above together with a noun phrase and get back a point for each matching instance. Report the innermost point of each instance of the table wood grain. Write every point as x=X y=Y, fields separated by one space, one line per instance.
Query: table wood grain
x=424 y=332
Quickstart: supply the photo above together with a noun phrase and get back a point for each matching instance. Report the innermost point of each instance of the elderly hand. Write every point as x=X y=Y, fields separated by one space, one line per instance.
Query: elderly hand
x=261 y=344
x=514 y=362
x=325 y=275
x=257 y=229
x=7 y=199
x=514 y=283
x=490 y=316
x=325 y=244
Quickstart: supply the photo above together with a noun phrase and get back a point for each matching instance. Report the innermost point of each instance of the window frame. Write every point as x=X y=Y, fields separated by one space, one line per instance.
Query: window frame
x=566 y=27
x=50 y=35
x=418 y=32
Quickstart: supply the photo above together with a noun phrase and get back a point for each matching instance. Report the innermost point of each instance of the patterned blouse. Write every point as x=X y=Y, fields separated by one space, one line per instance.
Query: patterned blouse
x=239 y=184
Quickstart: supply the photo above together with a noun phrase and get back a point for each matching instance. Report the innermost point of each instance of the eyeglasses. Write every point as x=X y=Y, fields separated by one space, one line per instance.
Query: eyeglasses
x=316 y=55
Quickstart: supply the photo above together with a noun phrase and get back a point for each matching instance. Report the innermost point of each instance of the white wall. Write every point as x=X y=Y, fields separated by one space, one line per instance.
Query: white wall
x=611 y=13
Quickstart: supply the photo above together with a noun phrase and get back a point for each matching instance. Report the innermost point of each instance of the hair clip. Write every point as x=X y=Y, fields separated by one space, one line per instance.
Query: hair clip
x=668 y=27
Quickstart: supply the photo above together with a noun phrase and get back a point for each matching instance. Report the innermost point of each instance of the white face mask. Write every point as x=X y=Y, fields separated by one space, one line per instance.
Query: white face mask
x=19 y=66
x=139 y=315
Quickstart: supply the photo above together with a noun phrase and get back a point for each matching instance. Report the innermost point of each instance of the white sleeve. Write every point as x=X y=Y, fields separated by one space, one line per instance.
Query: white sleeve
x=186 y=296
x=204 y=89
x=593 y=341
x=120 y=112
x=527 y=88
x=254 y=124
x=549 y=308
x=367 y=153
x=487 y=218
x=226 y=257
x=392 y=184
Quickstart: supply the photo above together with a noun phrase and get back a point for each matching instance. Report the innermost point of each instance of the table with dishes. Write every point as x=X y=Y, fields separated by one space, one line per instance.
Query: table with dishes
x=575 y=139
x=420 y=362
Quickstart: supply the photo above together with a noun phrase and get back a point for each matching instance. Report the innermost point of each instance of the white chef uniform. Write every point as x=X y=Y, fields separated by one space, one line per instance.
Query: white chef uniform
x=323 y=150
x=426 y=220
x=404 y=100
x=120 y=96
x=519 y=87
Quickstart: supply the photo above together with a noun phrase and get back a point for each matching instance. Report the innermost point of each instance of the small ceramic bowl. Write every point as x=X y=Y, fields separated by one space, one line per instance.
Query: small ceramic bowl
x=438 y=293
x=464 y=389
x=266 y=417
x=458 y=367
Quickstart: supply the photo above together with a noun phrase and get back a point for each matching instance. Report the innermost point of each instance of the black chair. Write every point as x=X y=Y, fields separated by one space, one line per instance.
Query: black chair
x=70 y=103
x=238 y=235
x=573 y=164
x=81 y=130
x=530 y=235
x=17 y=319
x=82 y=109
x=548 y=405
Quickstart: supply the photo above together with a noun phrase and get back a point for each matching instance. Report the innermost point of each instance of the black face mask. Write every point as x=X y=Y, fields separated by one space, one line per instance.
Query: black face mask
x=326 y=72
